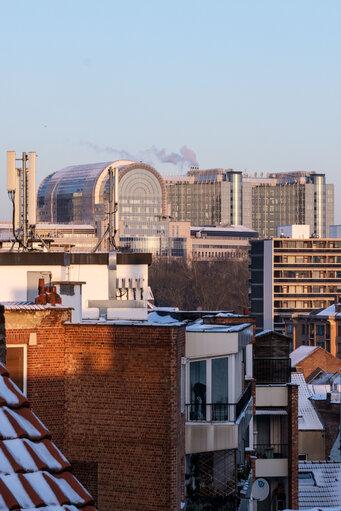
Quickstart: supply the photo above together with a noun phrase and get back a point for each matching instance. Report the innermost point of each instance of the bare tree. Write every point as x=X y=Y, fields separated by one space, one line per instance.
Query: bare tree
x=216 y=285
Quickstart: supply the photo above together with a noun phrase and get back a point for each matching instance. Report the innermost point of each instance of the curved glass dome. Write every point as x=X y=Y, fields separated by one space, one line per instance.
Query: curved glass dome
x=79 y=194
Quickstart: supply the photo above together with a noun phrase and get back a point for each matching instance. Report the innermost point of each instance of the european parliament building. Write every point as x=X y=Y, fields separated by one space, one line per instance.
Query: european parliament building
x=79 y=194
x=262 y=203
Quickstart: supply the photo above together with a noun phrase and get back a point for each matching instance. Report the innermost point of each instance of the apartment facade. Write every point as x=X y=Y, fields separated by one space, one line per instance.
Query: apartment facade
x=320 y=328
x=292 y=275
x=275 y=422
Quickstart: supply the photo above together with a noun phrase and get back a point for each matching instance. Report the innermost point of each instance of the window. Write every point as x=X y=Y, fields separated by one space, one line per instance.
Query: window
x=219 y=389
x=16 y=363
x=209 y=390
x=198 y=390
x=320 y=330
x=306 y=479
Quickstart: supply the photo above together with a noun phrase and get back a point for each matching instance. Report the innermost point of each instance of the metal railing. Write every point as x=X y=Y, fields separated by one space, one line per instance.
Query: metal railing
x=216 y=412
x=271 y=370
x=270 y=451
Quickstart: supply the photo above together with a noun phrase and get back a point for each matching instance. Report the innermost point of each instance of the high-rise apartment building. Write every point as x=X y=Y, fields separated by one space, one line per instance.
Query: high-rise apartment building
x=292 y=275
x=218 y=196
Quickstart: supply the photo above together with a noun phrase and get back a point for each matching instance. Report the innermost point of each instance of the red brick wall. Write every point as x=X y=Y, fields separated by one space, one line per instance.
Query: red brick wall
x=123 y=410
x=293 y=445
x=45 y=363
x=110 y=395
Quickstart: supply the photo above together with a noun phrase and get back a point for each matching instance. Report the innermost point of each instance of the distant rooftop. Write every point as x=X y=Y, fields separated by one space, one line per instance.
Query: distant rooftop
x=308 y=418
x=323 y=489
x=301 y=353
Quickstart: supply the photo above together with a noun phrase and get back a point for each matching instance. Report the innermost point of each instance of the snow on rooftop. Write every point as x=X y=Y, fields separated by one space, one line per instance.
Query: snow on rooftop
x=324 y=490
x=160 y=319
x=200 y=326
x=329 y=311
x=33 y=472
x=300 y=353
x=265 y=332
x=308 y=418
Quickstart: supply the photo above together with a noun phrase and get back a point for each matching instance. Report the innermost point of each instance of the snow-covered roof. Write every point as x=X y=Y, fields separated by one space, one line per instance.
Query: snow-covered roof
x=308 y=418
x=163 y=319
x=325 y=488
x=329 y=311
x=200 y=326
x=265 y=332
x=31 y=306
x=34 y=474
x=300 y=353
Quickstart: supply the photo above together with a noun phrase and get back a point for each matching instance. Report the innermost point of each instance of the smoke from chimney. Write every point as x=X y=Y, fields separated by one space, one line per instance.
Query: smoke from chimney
x=184 y=158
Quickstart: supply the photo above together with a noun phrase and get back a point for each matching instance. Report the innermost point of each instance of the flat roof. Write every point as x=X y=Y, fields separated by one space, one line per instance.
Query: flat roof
x=67 y=258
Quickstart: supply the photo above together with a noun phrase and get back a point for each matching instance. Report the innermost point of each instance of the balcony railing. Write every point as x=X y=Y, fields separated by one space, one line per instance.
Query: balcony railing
x=271 y=451
x=271 y=370
x=217 y=412
x=243 y=401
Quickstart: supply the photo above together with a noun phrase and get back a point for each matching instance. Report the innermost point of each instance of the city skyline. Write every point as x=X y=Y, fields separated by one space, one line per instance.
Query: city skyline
x=249 y=86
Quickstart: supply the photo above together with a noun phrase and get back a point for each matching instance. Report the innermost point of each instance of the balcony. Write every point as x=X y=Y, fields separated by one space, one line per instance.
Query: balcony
x=271 y=370
x=271 y=451
x=217 y=426
x=217 y=412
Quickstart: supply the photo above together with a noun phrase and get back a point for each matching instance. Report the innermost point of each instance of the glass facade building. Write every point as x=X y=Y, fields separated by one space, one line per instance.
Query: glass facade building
x=262 y=203
x=80 y=194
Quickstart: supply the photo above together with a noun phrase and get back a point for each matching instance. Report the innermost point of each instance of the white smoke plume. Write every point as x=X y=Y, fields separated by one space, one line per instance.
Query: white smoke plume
x=183 y=159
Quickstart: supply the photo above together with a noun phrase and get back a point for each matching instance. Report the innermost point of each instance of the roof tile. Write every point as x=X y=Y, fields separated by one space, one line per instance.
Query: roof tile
x=34 y=474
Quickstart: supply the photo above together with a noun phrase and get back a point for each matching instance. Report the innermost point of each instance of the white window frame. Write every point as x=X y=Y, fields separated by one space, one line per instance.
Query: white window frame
x=230 y=383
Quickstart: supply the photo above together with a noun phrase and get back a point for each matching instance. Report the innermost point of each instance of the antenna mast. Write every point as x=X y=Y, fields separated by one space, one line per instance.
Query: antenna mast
x=21 y=187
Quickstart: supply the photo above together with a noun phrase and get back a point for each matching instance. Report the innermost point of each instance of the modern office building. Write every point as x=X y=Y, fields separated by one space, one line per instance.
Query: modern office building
x=80 y=194
x=292 y=275
x=207 y=197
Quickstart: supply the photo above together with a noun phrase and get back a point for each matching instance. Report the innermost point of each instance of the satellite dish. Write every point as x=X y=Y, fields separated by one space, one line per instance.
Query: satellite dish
x=260 y=489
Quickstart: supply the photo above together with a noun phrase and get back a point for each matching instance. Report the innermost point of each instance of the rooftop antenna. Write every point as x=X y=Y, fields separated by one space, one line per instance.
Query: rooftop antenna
x=112 y=228
x=21 y=187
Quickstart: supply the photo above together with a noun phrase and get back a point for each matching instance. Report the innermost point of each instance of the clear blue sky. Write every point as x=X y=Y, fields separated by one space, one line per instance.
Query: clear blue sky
x=250 y=85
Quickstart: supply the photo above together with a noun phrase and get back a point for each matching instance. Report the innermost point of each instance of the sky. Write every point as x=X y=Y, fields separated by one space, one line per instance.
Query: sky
x=251 y=85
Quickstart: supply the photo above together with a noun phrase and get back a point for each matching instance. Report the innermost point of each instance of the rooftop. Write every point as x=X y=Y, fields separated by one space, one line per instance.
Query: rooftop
x=308 y=418
x=301 y=353
x=34 y=474
x=323 y=489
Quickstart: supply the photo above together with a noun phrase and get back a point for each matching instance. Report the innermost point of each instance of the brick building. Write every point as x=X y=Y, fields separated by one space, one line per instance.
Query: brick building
x=310 y=360
x=110 y=394
x=322 y=327
x=34 y=474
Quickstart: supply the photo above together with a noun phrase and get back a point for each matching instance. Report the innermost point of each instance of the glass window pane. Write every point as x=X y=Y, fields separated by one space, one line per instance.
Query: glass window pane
x=198 y=390
x=220 y=389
